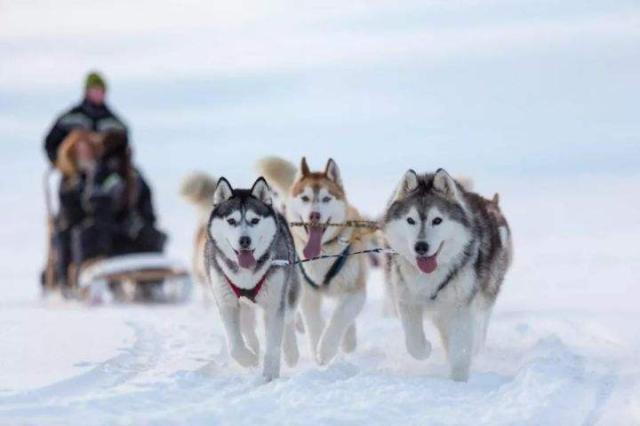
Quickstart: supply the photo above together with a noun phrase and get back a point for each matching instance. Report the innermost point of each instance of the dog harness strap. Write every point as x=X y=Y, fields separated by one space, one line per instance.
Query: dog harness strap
x=307 y=278
x=331 y=273
x=337 y=265
x=249 y=293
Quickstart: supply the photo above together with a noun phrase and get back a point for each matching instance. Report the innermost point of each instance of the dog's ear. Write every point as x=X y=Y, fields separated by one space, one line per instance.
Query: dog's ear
x=496 y=199
x=304 y=167
x=261 y=191
x=408 y=183
x=223 y=191
x=333 y=172
x=445 y=184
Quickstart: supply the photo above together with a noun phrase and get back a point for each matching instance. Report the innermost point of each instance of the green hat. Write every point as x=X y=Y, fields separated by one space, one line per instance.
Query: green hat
x=94 y=79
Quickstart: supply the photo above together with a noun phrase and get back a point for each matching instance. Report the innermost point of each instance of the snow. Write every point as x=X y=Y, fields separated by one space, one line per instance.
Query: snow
x=562 y=348
x=535 y=100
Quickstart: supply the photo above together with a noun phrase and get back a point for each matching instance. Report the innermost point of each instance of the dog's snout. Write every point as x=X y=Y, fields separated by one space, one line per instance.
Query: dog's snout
x=245 y=242
x=421 y=248
x=314 y=216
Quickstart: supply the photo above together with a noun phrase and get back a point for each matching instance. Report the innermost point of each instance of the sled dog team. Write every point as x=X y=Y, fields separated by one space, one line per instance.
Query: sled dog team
x=451 y=249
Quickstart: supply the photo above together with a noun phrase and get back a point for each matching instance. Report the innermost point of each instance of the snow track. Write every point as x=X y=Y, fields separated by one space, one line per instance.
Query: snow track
x=537 y=368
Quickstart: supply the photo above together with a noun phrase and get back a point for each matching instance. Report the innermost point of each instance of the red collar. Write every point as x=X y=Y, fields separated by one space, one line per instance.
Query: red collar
x=249 y=293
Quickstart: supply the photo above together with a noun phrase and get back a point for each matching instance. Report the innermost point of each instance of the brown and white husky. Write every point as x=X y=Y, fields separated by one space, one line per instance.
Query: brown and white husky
x=319 y=198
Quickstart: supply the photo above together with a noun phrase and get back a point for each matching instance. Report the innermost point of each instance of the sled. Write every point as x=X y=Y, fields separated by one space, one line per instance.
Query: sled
x=141 y=277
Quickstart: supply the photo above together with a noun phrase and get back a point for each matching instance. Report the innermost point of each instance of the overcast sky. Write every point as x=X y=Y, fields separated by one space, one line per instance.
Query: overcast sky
x=497 y=87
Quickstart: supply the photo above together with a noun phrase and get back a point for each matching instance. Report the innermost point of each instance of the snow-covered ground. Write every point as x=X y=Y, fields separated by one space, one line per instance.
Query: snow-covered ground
x=534 y=99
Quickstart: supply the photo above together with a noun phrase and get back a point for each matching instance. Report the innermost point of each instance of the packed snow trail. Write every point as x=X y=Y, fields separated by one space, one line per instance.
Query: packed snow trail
x=172 y=367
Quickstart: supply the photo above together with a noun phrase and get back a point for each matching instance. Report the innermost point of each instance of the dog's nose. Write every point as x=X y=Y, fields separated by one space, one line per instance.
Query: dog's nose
x=245 y=242
x=421 y=248
x=314 y=217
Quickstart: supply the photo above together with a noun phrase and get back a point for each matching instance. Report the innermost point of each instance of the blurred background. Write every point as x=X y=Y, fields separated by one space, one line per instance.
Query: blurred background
x=530 y=92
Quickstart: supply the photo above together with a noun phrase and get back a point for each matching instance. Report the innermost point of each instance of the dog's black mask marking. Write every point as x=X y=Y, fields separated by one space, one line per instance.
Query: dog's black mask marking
x=424 y=197
x=241 y=199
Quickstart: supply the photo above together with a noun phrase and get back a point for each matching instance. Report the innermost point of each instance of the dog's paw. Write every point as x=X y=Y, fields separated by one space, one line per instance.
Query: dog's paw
x=419 y=348
x=460 y=374
x=244 y=356
x=271 y=367
x=269 y=376
x=327 y=350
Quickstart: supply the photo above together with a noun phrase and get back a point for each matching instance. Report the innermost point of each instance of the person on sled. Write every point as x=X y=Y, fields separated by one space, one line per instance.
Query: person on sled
x=105 y=204
x=92 y=114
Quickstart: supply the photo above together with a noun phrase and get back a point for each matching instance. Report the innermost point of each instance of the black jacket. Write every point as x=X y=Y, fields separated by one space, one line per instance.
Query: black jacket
x=92 y=221
x=87 y=116
x=99 y=198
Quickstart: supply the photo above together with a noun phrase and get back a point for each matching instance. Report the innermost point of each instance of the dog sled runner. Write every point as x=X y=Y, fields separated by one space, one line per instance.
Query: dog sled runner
x=145 y=277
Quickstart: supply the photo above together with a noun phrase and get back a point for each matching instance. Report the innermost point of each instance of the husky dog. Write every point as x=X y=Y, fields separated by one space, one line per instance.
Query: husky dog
x=319 y=198
x=454 y=248
x=245 y=238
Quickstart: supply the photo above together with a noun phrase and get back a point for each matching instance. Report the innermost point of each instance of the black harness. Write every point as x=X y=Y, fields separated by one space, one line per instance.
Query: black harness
x=337 y=266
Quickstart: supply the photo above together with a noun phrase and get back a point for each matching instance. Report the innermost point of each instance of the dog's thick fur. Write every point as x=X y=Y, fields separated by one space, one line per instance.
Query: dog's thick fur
x=454 y=248
x=281 y=175
x=243 y=225
x=66 y=161
x=321 y=196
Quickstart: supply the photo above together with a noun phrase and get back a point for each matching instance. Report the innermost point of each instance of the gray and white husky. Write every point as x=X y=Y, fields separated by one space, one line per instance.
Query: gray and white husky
x=245 y=238
x=454 y=248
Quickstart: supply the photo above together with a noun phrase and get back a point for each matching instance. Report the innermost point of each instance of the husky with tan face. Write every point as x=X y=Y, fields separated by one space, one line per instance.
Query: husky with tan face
x=319 y=198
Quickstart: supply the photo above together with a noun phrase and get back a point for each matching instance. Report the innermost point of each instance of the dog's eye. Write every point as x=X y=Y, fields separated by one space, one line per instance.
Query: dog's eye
x=304 y=199
x=255 y=221
x=410 y=221
x=437 y=221
x=231 y=221
x=326 y=199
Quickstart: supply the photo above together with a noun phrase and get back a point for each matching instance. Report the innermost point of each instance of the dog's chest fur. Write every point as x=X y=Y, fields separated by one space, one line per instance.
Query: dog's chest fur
x=413 y=286
x=218 y=266
x=270 y=291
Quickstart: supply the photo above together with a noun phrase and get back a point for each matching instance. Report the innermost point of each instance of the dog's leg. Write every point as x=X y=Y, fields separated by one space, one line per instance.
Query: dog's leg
x=442 y=330
x=290 y=343
x=274 y=327
x=299 y=323
x=389 y=307
x=411 y=317
x=459 y=333
x=482 y=315
x=237 y=349
x=350 y=339
x=344 y=315
x=248 y=324
x=312 y=317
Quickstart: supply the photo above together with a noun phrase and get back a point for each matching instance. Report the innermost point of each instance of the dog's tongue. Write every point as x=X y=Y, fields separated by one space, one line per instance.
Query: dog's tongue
x=427 y=264
x=246 y=259
x=314 y=245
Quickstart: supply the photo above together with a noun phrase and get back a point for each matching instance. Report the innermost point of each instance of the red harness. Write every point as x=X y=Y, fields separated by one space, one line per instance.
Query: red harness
x=249 y=293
